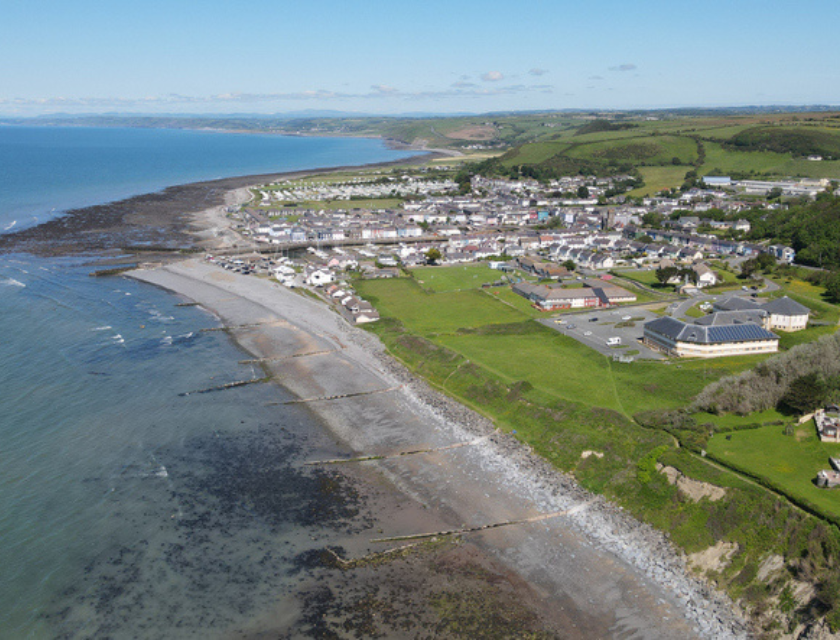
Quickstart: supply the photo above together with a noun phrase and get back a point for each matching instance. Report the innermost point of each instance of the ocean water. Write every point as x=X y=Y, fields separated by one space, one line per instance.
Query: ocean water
x=46 y=170
x=129 y=505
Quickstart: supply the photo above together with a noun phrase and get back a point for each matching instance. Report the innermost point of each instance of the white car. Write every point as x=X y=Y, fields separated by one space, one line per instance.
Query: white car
x=626 y=318
x=587 y=333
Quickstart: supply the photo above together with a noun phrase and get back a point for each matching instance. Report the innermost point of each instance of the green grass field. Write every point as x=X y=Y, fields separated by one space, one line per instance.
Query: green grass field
x=553 y=363
x=659 y=178
x=720 y=161
x=536 y=153
x=787 y=463
x=506 y=296
x=455 y=278
x=645 y=276
x=426 y=314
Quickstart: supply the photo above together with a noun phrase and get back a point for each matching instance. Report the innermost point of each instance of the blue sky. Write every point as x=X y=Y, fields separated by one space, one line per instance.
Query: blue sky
x=220 y=56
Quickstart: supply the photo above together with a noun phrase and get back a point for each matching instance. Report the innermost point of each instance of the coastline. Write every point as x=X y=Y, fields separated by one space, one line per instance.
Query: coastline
x=165 y=221
x=604 y=569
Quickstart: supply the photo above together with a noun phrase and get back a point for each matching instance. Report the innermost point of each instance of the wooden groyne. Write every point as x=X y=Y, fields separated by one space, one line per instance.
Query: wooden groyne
x=241 y=326
x=486 y=527
x=401 y=454
x=295 y=355
x=228 y=385
x=335 y=397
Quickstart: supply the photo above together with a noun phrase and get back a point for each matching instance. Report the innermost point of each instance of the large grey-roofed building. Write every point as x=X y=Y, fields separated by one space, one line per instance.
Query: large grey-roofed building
x=679 y=338
x=784 y=314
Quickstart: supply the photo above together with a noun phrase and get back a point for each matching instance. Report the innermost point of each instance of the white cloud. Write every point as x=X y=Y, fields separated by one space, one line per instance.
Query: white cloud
x=384 y=89
x=628 y=66
x=493 y=76
x=536 y=71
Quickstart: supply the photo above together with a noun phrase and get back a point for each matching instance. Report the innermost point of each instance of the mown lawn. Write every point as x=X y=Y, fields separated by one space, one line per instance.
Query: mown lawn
x=455 y=278
x=507 y=296
x=648 y=384
x=429 y=313
x=787 y=463
x=565 y=368
x=645 y=276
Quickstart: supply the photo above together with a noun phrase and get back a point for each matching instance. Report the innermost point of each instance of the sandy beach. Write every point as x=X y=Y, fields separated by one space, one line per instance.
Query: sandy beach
x=579 y=566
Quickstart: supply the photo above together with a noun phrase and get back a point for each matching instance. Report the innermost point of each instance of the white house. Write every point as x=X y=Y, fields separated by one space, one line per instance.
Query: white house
x=320 y=277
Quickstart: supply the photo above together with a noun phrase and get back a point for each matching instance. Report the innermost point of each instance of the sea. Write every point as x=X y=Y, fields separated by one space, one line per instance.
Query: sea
x=131 y=504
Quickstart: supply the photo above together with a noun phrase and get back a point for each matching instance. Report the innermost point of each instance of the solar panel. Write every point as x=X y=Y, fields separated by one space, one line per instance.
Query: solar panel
x=738 y=333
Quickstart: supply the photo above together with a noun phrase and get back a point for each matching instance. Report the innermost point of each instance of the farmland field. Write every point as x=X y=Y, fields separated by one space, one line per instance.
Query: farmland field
x=658 y=178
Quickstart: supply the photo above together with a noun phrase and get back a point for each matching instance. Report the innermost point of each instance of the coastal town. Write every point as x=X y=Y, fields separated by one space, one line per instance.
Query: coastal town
x=562 y=245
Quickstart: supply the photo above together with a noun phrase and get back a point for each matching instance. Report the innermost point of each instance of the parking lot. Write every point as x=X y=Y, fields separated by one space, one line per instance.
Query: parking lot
x=598 y=329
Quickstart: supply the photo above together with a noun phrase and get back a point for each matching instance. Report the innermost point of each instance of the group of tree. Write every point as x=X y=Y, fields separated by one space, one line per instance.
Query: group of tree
x=812 y=228
x=763 y=262
x=433 y=255
x=665 y=274
x=799 y=380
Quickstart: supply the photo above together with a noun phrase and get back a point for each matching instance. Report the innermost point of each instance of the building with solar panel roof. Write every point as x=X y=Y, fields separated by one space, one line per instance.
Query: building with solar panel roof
x=712 y=340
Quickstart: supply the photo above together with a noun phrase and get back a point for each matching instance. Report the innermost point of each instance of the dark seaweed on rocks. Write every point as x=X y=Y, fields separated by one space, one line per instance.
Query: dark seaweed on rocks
x=233 y=480
x=235 y=510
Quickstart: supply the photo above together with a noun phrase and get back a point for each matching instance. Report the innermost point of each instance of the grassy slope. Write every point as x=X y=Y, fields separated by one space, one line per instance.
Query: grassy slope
x=651 y=150
x=658 y=178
